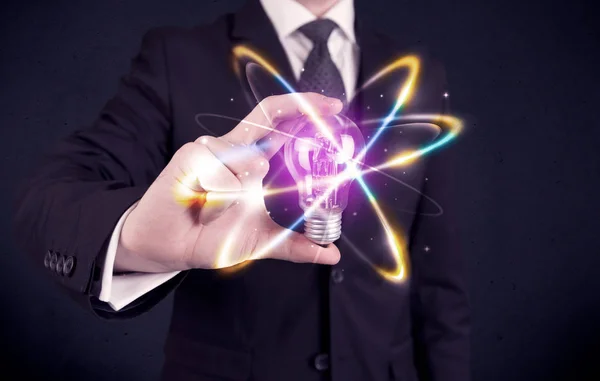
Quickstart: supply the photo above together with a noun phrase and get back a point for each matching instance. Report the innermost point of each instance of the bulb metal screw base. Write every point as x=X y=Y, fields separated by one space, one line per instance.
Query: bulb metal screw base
x=323 y=227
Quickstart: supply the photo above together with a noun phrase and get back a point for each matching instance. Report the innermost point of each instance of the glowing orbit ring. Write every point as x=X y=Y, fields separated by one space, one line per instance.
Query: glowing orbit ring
x=451 y=125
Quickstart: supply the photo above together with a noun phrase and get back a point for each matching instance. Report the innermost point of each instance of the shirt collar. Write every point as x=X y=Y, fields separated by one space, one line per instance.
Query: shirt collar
x=289 y=15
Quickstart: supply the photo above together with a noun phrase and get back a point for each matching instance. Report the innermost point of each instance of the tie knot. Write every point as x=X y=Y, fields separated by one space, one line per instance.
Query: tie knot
x=318 y=31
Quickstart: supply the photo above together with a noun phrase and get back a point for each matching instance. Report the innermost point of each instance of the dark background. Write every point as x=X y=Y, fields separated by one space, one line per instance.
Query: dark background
x=524 y=73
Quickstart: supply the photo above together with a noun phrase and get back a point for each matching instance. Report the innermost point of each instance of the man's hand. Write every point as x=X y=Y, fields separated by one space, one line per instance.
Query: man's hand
x=206 y=208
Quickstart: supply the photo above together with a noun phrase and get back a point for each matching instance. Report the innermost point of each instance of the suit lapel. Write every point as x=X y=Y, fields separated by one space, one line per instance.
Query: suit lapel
x=374 y=54
x=374 y=102
x=252 y=27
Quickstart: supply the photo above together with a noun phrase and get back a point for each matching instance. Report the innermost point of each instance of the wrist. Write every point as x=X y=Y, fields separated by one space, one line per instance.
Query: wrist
x=129 y=261
x=131 y=256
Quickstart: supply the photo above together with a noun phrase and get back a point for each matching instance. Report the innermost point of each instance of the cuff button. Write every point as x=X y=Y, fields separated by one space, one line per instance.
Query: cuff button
x=60 y=264
x=53 y=261
x=47 y=258
x=68 y=266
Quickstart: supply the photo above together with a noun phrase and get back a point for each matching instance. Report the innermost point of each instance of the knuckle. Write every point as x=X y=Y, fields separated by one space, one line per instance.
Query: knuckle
x=258 y=165
x=204 y=139
x=267 y=102
x=264 y=165
x=190 y=150
x=187 y=150
x=251 y=163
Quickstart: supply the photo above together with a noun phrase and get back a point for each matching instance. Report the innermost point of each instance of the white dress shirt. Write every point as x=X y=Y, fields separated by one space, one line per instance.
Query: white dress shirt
x=286 y=16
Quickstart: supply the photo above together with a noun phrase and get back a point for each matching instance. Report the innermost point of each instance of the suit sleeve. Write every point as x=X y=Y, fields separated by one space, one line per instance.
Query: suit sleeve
x=439 y=284
x=69 y=207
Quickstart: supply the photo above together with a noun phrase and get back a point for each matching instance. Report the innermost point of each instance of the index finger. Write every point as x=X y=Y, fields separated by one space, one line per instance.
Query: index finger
x=273 y=110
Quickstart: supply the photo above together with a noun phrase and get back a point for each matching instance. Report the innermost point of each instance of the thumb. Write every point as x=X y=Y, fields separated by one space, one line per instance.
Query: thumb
x=284 y=244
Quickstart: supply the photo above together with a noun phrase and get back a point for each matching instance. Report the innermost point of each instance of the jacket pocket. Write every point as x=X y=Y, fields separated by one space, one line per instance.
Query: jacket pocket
x=185 y=356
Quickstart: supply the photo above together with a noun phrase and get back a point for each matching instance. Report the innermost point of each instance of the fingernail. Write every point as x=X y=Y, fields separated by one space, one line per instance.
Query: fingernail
x=335 y=103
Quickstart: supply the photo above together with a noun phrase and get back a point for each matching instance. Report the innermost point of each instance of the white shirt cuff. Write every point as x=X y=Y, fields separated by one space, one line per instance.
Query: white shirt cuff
x=120 y=290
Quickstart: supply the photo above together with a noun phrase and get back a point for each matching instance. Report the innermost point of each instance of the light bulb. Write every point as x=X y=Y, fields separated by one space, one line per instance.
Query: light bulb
x=320 y=158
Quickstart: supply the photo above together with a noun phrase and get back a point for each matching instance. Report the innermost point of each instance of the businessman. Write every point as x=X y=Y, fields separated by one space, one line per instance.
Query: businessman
x=100 y=217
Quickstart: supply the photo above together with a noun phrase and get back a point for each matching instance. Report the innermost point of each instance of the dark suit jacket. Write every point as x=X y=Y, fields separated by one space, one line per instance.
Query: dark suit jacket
x=273 y=320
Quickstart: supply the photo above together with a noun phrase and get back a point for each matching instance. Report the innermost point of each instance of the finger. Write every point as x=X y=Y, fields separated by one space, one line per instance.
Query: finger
x=202 y=174
x=284 y=244
x=274 y=109
x=216 y=203
x=275 y=139
x=198 y=163
x=247 y=164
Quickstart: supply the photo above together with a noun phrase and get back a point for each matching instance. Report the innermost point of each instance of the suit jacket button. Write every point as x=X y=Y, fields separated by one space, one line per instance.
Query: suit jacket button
x=53 y=261
x=321 y=362
x=59 y=264
x=47 y=258
x=68 y=266
x=337 y=276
